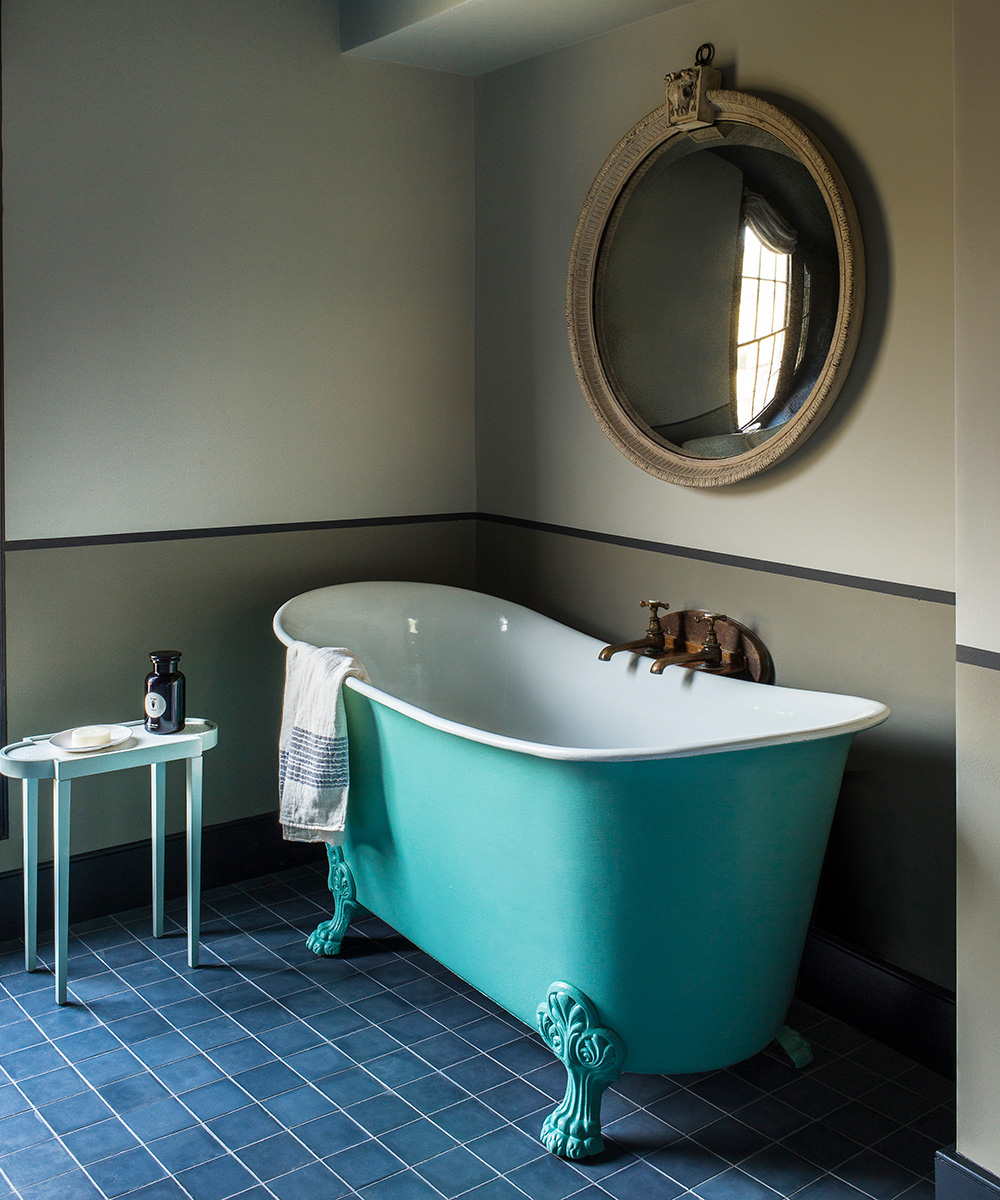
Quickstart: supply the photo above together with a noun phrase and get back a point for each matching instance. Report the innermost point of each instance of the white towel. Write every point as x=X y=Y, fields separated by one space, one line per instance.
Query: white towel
x=312 y=748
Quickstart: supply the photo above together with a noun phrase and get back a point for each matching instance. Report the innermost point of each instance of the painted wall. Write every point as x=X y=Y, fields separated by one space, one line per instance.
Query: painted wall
x=977 y=300
x=239 y=271
x=871 y=496
x=238 y=292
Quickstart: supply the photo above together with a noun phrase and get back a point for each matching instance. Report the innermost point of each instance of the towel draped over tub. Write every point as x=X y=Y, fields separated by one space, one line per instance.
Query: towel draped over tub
x=313 y=775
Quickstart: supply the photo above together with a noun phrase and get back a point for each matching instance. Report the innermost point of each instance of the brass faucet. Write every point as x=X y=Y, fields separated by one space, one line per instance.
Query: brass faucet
x=654 y=639
x=710 y=653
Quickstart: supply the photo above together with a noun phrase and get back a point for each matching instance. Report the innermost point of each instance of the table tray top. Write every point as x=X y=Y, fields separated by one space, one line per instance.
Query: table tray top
x=36 y=758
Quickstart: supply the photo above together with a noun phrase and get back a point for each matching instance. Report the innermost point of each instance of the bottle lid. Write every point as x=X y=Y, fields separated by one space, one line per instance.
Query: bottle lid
x=157 y=655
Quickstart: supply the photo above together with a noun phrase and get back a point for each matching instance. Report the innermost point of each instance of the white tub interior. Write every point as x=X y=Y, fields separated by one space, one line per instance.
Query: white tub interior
x=500 y=673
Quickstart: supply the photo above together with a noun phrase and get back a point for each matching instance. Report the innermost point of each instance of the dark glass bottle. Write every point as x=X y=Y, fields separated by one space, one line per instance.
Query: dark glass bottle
x=164 y=693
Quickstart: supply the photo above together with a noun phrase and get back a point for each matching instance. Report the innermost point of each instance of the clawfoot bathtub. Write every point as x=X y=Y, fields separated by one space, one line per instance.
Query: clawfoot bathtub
x=626 y=861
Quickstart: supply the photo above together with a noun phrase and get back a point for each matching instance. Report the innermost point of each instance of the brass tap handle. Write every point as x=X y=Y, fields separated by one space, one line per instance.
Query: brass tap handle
x=711 y=638
x=654 y=621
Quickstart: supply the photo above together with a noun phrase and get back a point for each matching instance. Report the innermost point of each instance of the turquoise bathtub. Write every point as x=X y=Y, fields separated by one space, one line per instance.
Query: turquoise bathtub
x=626 y=861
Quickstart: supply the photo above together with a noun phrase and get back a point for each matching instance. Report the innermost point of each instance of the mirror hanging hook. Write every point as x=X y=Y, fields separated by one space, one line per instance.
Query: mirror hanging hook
x=688 y=106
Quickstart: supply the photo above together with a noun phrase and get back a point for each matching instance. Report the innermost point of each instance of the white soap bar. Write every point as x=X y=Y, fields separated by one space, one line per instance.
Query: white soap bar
x=90 y=735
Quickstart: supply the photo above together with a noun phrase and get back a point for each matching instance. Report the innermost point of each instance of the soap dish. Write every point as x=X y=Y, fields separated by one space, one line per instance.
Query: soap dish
x=62 y=741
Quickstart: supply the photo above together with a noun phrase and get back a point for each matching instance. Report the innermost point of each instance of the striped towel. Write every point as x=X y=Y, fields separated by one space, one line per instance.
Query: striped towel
x=313 y=774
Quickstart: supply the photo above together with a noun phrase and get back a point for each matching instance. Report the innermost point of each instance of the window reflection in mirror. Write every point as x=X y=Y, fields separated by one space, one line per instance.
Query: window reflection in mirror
x=762 y=318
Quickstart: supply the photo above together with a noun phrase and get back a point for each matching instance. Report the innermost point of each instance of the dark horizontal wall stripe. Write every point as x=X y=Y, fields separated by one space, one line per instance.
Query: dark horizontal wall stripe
x=909 y=591
x=978 y=658
x=172 y=535
x=906 y=590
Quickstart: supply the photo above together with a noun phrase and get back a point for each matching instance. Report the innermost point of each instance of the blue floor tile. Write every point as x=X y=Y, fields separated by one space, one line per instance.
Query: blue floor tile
x=275 y=1074
x=74 y=1185
x=186 y=1148
x=506 y=1148
x=88 y=1043
x=35 y=1163
x=243 y=1055
x=217 y=1179
x=350 y=1086
x=733 y=1184
x=382 y=1113
x=313 y=1182
x=432 y=1093
x=456 y=1171
x=269 y=1079
x=167 y=1048
x=319 y=1062
x=399 y=1067
x=468 y=1119
x=365 y=1163
x=502 y=1189
x=640 y=1181
x=75 y=1112
x=276 y=1155
x=136 y=1091
x=326 y=1135
x=124 y=1172
x=547 y=1178
x=26 y=1063
x=12 y=1100
x=102 y=1140
x=245 y=1126
x=299 y=1105
x=159 y=1119
x=406 y=1186
x=418 y=1141
x=215 y=1099
x=53 y=1085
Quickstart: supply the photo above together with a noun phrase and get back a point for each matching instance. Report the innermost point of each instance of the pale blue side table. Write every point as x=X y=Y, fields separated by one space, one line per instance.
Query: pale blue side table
x=37 y=758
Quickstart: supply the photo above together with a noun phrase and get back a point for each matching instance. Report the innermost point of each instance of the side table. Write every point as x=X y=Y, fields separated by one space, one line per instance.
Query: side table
x=37 y=758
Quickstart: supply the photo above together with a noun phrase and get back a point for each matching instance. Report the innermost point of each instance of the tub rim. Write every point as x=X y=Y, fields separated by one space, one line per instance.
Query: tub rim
x=875 y=716
x=871 y=713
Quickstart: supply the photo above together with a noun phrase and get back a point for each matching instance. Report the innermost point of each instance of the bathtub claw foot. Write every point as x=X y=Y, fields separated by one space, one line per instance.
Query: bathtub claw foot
x=795 y=1046
x=327 y=936
x=593 y=1057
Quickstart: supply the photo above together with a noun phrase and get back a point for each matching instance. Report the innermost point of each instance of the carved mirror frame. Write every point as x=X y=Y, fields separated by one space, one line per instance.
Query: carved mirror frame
x=700 y=106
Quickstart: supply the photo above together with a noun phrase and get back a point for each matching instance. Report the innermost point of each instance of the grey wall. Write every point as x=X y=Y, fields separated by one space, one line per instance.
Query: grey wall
x=238 y=270
x=238 y=292
x=871 y=495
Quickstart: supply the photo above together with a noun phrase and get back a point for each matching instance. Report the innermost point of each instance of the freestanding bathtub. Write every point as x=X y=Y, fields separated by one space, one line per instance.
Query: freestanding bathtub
x=628 y=861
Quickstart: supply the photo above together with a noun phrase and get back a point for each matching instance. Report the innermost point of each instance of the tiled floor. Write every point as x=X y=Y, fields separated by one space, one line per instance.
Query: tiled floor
x=272 y=1073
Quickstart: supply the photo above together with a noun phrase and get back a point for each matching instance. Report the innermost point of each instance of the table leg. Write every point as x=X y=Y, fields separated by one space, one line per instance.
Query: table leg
x=158 y=809
x=193 y=774
x=60 y=864
x=29 y=807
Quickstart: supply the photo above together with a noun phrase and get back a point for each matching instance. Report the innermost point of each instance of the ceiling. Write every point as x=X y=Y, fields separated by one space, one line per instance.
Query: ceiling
x=471 y=37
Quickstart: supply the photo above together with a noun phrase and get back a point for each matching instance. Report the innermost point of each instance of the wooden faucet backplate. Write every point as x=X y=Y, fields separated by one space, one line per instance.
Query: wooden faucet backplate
x=744 y=655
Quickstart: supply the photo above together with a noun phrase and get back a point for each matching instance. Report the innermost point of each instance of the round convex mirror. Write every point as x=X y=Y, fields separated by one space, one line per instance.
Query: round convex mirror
x=715 y=291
